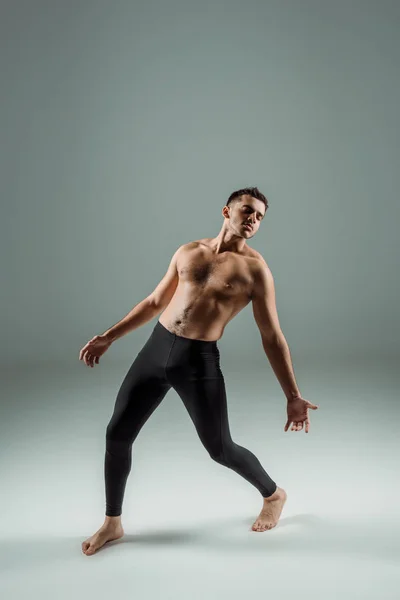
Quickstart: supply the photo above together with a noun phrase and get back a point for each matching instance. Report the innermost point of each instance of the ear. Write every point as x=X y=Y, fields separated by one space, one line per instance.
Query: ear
x=225 y=212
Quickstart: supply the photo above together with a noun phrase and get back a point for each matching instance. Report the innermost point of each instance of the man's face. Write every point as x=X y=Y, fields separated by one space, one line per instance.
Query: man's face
x=246 y=210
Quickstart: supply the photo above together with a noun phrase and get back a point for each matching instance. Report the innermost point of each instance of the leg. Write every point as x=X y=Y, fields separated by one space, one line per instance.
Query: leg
x=205 y=401
x=140 y=393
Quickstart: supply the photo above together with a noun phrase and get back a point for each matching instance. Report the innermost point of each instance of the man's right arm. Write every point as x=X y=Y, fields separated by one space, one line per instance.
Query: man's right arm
x=151 y=306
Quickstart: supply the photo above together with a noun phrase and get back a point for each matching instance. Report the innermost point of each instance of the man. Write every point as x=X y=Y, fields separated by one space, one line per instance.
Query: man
x=207 y=283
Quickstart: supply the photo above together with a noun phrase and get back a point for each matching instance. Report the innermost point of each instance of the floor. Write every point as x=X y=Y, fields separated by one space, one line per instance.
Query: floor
x=187 y=519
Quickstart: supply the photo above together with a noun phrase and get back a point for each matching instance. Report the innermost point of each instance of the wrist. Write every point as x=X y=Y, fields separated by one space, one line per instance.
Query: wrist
x=293 y=396
x=109 y=337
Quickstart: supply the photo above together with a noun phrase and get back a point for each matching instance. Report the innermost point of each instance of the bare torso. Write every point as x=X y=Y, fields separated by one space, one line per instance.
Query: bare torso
x=212 y=289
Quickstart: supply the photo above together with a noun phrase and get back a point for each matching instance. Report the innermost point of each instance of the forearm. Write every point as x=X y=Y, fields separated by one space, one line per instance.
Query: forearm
x=140 y=314
x=278 y=354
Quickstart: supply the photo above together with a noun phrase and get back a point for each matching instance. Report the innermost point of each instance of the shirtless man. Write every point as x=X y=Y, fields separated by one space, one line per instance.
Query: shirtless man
x=207 y=283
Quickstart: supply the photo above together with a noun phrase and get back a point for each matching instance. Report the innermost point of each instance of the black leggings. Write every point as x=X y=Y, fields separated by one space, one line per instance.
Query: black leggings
x=192 y=368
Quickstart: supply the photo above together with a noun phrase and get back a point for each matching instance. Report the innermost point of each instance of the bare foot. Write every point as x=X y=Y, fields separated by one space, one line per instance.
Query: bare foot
x=107 y=533
x=271 y=511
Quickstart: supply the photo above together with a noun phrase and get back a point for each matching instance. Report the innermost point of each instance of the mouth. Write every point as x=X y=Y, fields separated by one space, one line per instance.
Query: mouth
x=249 y=227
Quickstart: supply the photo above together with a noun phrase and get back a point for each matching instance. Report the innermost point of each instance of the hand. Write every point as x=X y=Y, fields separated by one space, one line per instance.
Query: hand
x=297 y=412
x=95 y=348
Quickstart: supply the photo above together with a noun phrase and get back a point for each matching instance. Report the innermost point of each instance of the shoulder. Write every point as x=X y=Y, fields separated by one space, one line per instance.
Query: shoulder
x=192 y=245
x=196 y=244
x=188 y=246
x=185 y=249
x=263 y=280
x=257 y=256
x=258 y=264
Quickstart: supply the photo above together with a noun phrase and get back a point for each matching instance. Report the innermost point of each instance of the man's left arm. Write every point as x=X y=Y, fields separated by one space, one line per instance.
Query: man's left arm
x=273 y=340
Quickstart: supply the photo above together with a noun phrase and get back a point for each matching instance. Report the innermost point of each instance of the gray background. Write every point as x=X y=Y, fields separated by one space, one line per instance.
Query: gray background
x=125 y=126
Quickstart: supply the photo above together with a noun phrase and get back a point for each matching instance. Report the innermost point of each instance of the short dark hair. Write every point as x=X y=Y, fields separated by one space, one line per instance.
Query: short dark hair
x=251 y=191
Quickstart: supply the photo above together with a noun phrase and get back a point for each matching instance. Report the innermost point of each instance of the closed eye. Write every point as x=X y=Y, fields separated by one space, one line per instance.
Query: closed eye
x=249 y=210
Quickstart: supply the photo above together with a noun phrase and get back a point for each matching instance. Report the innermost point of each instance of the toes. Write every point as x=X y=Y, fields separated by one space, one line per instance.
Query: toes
x=259 y=526
x=87 y=548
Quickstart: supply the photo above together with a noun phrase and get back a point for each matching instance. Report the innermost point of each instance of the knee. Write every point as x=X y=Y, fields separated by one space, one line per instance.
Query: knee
x=115 y=435
x=217 y=455
x=112 y=433
x=116 y=446
x=225 y=454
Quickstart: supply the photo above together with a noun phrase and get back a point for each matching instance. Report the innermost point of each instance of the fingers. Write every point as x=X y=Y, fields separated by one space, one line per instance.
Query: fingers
x=298 y=425
x=86 y=347
x=92 y=359
x=84 y=350
x=89 y=359
x=86 y=356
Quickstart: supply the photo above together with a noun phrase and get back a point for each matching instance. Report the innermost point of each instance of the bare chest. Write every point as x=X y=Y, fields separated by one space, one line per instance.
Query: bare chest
x=224 y=275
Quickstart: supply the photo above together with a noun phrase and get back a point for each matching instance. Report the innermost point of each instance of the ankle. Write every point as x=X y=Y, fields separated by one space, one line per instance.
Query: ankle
x=112 y=520
x=279 y=493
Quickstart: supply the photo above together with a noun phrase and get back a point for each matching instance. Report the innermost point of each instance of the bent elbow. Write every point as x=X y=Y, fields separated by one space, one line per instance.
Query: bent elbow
x=274 y=337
